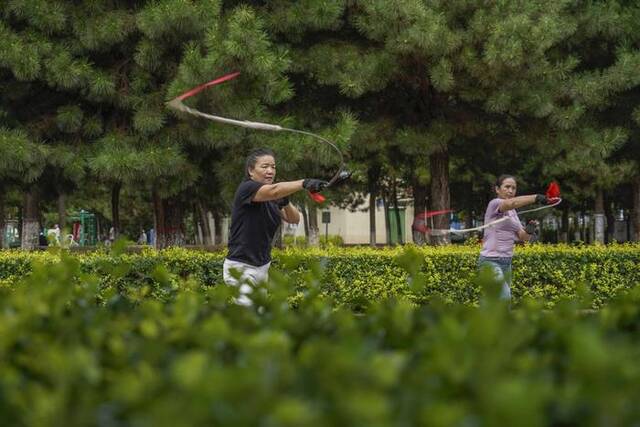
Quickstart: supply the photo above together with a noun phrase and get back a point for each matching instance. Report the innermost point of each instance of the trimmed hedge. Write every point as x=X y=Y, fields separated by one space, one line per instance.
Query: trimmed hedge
x=357 y=276
x=543 y=272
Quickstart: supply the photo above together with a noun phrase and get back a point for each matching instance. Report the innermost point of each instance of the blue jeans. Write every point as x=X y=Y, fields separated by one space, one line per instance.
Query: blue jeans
x=501 y=267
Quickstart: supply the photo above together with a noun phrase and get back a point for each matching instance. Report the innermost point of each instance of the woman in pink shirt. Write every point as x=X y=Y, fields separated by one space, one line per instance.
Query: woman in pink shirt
x=499 y=239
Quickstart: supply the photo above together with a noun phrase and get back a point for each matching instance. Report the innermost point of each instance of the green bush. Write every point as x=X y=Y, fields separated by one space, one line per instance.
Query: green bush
x=75 y=352
x=301 y=241
x=358 y=276
x=545 y=272
x=296 y=242
x=331 y=240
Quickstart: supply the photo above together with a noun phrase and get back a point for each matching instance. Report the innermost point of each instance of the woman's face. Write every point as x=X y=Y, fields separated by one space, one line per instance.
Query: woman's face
x=507 y=189
x=264 y=170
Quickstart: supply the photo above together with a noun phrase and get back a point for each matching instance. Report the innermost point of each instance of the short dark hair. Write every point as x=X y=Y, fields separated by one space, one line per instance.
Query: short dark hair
x=252 y=158
x=501 y=179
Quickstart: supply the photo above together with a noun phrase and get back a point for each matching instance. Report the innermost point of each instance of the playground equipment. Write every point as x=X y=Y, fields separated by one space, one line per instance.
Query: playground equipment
x=84 y=228
x=11 y=236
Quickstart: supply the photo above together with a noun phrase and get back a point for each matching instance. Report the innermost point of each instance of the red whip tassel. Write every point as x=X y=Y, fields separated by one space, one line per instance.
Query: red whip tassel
x=317 y=197
x=553 y=192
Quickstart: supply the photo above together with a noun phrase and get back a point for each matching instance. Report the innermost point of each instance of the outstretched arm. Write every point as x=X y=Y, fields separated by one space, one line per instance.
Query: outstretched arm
x=276 y=191
x=284 y=189
x=520 y=201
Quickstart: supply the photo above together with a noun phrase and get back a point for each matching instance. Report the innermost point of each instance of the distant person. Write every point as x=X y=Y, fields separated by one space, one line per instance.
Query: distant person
x=142 y=239
x=53 y=235
x=42 y=239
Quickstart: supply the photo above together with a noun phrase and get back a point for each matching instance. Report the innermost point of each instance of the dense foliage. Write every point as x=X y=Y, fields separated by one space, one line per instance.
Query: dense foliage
x=355 y=277
x=77 y=352
x=427 y=100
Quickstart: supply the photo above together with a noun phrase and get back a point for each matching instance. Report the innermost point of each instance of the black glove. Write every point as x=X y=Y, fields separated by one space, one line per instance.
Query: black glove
x=282 y=202
x=541 y=199
x=314 y=185
x=531 y=227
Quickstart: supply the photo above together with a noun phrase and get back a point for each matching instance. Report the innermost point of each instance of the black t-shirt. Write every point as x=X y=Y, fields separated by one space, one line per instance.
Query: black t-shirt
x=253 y=225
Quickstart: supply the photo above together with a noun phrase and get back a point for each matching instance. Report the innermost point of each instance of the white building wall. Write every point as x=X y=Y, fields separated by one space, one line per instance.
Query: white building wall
x=353 y=227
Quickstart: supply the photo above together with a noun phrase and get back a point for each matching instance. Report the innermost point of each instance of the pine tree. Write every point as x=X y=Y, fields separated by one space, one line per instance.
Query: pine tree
x=42 y=49
x=452 y=72
x=597 y=140
x=21 y=162
x=234 y=39
x=107 y=69
x=445 y=92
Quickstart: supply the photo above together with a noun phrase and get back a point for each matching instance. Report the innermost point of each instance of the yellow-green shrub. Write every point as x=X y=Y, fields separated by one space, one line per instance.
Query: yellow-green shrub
x=357 y=276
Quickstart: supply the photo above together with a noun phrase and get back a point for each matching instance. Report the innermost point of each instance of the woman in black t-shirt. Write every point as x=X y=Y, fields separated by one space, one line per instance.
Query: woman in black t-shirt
x=259 y=206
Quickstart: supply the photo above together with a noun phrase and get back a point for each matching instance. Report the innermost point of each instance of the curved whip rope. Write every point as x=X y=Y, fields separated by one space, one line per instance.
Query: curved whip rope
x=178 y=105
x=440 y=231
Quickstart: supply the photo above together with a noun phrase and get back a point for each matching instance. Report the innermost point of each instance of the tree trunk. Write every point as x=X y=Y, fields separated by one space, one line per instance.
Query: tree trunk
x=397 y=212
x=610 y=220
x=468 y=221
x=372 y=218
x=2 y=220
x=197 y=227
x=565 y=234
x=305 y=220
x=217 y=227
x=168 y=217
x=440 y=198
x=313 y=225
x=372 y=182
x=204 y=221
x=420 y=194
x=30 y=222
x=62 y=210
x=115 y=208
x=598 y=217
x=635 y=215
x=387 y=225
